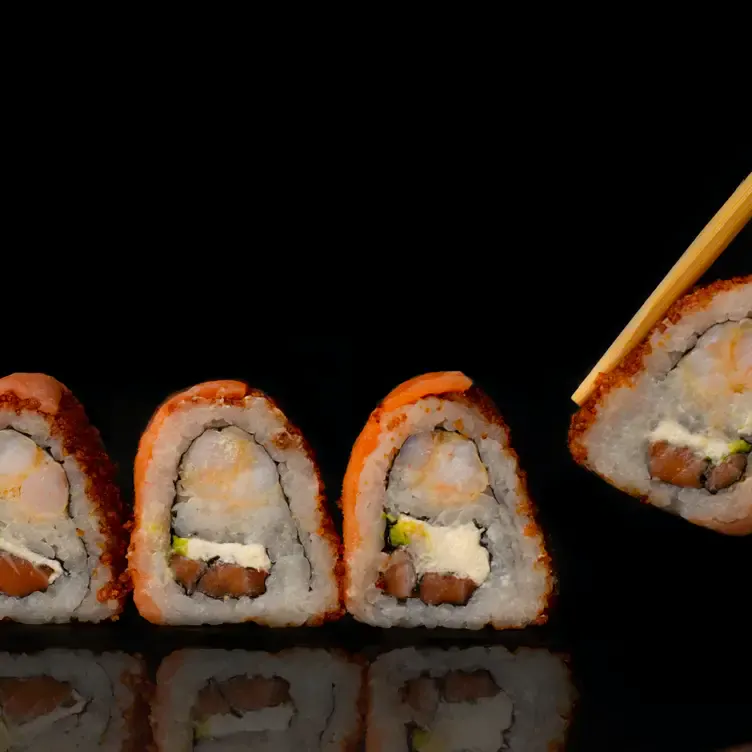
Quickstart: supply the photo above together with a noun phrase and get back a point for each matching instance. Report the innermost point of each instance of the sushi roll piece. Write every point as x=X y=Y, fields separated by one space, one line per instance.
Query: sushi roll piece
x=223 y=700
x=439 y=529
x=62 y=542
x=482 y=699
x=73 y=700
x=230 y=518
x=673 y=423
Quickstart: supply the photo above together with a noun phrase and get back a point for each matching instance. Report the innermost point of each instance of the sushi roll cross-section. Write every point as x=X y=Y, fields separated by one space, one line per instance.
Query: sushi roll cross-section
x=480 y=698
x=73 y=700
x=231 y=523
x=295 y=700
x=62 y=540
x=439 y=528
x=673 y=424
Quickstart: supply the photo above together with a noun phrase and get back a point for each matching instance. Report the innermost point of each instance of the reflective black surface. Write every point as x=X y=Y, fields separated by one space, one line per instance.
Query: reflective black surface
x=688 y=692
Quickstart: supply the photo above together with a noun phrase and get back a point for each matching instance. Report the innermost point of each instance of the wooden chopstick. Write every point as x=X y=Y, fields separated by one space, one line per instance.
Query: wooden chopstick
x=695 y=261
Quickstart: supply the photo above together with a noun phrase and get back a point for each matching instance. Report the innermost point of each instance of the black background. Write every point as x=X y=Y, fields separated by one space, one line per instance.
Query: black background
x=326 y=284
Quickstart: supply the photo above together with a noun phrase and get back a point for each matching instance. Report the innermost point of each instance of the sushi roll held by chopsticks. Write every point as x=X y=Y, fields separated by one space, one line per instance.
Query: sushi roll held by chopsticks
x=666 y=413
x=62 y=543
x=230 y=519
x=439 y=529
x=673 y=422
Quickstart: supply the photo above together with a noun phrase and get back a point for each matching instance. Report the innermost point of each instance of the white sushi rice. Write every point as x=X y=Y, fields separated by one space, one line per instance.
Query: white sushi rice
x=617 y=442
x=74 y=595
x=302 y=583
x=324 y=688
x=106 y=696
x=535 y=683
x=515 y=592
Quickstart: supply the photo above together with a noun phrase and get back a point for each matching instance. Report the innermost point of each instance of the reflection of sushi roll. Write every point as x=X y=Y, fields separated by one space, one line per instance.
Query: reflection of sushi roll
x=483 y=699
x=673 y=424
x=62 y=546
x=230 y=517
x=439 y=529
x=73 y=700
x=296 y=700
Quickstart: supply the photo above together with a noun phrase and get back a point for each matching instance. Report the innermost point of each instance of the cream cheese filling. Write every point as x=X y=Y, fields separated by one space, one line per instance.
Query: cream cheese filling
x=266 y=719
x=672 y=432
x=443 y=549
x=249 y=555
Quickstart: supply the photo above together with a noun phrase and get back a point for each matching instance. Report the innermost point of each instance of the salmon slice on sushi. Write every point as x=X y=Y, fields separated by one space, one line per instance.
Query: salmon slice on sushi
x=673 y=423
x=73 y=700
x=62 y=542
x=481 y=698
x=439 y=529
x=223 y=700
x=230 y=518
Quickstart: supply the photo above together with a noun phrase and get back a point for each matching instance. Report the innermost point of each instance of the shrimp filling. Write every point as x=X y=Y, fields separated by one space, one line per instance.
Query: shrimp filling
x=34 y=494
x=706 y=443
x=438 y=476
x=229 y=512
